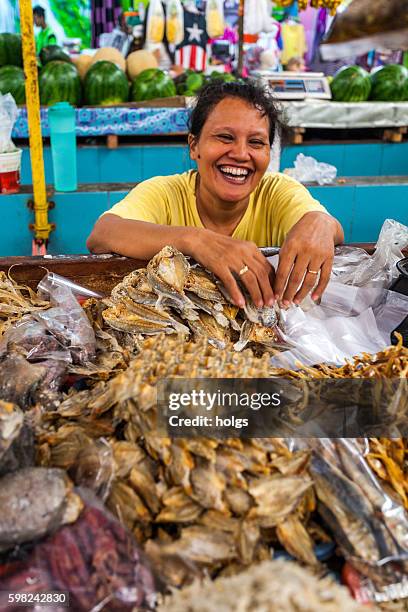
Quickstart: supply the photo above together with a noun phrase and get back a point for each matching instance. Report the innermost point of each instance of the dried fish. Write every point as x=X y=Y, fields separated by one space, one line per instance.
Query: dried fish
x=296 y=540
x=207 y=326
x=204 y=285
x=269 y=337
x=276 y=497
x=167 y=273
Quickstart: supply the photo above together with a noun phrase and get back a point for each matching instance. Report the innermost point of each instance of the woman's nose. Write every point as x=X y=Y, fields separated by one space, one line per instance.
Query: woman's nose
x=239 y=150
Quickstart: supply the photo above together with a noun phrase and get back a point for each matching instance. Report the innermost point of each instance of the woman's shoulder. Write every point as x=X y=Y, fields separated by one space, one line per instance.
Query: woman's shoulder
x=278 y=179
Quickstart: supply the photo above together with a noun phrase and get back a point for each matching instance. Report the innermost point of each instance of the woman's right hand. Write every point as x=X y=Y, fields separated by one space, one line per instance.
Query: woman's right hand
x=225 y=257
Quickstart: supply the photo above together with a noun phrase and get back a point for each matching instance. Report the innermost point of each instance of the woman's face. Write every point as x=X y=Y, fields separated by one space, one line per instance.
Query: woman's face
x=233 y=150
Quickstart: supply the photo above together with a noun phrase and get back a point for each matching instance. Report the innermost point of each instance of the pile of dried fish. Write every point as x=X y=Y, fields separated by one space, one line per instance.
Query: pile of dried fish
x=219 y=504
x=16 y=301
x=171 y=296
x=271 y=586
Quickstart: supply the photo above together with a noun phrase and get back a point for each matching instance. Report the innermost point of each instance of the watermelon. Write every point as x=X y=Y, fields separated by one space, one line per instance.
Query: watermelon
x=12 y=81
x=105 y=84
x=11 y=52
x=152 y=83
x=389 y=83
x=53 y=52
x=59 y=82
x=351 y=84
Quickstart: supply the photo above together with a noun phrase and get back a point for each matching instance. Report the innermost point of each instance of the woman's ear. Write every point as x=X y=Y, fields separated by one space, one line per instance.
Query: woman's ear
x=192 y=143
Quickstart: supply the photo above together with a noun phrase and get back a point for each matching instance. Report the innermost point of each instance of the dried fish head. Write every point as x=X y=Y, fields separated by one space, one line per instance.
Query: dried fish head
x=269 y=337
x=267 y=316
x=168 y=270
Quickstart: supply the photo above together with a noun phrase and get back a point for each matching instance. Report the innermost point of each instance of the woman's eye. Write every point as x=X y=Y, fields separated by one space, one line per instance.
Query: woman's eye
x=225 y=137
x=257 y=143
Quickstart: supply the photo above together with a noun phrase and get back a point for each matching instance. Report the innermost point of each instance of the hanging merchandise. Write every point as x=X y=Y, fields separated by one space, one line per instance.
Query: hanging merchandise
x=155 y=22
x=258 y=17
x=191 y=52
x=174 y=22
x=214 y=14
x=294 y=41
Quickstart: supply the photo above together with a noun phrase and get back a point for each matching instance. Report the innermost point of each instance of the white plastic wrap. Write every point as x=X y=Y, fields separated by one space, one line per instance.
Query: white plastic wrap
x=308 y=170
x=357 y=312
x=8 y=116
x=354 y=266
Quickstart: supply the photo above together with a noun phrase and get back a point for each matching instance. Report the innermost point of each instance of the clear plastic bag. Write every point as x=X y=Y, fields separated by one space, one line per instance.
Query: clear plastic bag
x=214 y=14
x=95 y=562
x=67 y=321
x=8 y=116
x=155 y=22
x=369 y=525
x=353 y=266
x=174 y=22
x=308 y=170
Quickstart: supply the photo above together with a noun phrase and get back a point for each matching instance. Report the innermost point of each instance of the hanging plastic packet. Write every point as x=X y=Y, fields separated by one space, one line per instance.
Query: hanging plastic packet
x=214 y=15
x=155 y=22
x=174 y=22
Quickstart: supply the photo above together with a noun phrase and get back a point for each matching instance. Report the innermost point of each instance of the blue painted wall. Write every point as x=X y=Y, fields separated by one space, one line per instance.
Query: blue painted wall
x=361 y=209
x=134 y=163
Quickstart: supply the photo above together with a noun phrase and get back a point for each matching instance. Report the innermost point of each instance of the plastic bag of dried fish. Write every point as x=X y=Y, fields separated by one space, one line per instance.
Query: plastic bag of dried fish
x=369 y=523
x=95 y=561
x=67 y=321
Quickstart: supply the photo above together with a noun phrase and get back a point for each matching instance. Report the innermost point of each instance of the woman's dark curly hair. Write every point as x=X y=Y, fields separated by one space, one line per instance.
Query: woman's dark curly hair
x=250 y=92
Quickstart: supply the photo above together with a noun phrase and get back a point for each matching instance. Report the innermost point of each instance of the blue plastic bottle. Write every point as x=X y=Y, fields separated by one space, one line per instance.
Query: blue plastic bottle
x=61 y=119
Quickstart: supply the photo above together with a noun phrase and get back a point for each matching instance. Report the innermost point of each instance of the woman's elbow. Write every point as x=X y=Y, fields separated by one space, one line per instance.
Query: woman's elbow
x=95 y=243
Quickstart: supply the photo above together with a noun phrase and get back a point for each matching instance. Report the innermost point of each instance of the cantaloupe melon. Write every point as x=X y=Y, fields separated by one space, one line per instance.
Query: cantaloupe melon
x=110 y=54
x=83 y=63
x=139 y=61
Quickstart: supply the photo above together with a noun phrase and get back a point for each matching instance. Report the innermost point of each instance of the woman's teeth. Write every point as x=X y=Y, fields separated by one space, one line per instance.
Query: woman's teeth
x=236 y=174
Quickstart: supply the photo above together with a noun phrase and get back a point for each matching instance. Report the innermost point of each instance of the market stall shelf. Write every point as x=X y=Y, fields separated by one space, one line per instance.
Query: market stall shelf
x=128 y=121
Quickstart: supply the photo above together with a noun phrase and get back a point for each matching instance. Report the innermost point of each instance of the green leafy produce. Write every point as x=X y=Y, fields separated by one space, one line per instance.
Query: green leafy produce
x=53 y=52
x=351 y=84
x=105 y=84
x=152 y=83
x=227 y=77
x=10 y=50
x=12 y=81
x=59 y=82
x=389 y=83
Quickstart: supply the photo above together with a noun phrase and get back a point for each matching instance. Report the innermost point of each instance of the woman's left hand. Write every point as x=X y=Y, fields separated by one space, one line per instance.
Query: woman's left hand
x=306 y=258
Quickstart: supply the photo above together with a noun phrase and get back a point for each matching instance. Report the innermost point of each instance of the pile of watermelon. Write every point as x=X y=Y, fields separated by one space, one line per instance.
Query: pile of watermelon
x=386 y=83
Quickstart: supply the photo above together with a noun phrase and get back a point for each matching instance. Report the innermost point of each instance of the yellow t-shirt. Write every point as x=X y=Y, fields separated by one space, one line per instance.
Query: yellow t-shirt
x=274 y=207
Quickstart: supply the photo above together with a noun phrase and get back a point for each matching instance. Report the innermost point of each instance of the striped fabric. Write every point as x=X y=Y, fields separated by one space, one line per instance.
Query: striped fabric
x=192 y=52
x=104 y=16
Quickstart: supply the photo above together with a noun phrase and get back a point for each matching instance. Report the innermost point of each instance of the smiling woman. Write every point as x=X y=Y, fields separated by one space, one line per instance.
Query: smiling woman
x=221 y=213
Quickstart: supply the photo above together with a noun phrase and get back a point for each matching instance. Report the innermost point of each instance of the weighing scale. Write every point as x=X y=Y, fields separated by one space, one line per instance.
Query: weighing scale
x=297 y=85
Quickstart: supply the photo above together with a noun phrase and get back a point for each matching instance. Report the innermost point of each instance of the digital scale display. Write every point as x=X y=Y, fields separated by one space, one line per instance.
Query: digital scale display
x=298 y=86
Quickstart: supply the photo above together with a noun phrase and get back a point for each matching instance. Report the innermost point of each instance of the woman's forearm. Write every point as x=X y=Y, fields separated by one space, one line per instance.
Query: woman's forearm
x=137 y=239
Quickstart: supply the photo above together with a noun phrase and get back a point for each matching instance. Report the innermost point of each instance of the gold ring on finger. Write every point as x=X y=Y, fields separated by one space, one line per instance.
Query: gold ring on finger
x=313 y=271
x=243 y=270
